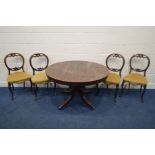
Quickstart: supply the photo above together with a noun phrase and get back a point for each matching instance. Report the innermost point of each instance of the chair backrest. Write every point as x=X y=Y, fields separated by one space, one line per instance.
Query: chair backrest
x=116 y=57
x=16 y=67
x=139 y=58
x=41 y=56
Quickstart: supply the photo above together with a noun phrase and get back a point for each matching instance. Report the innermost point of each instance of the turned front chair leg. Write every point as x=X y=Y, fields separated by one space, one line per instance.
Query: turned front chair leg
x=97 y=89
x=141 y=88
x=24 y=85
x=107 y=86
x=55 y=88
x=34 y=90
x=36 y=86
x=129 y=86
x=11 y=91
x=122 y=89
x=13 y=87
x=116 y=92
x=142 y=95
x=31 y=86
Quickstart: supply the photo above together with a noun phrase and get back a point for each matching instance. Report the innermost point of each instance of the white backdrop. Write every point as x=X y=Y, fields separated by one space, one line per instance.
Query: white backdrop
x=78 y=43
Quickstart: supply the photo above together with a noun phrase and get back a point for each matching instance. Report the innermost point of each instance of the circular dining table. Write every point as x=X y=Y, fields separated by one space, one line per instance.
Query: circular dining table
x=77 y=75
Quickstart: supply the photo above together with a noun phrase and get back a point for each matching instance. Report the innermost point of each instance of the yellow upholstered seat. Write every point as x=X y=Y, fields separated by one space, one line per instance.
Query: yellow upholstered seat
x=40 y=78
x=113 y=78
x=135 y=78
x=18 y=77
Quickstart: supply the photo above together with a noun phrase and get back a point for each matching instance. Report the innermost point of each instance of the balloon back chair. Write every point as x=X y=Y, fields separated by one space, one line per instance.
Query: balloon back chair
x=139 y=63
x=16 y=73
x=115 y=63
x=39 y=75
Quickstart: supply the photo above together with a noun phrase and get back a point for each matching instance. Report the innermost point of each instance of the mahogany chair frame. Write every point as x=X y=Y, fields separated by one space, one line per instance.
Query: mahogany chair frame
x=116 y=56
x=132 y=68
x=39 y=69
x=10 y=69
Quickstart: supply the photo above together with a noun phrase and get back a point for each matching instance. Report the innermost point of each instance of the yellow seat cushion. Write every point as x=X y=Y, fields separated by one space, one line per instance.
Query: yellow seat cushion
x=113 y=78
x=136 y=78
x=40 y=78
x=18 y=77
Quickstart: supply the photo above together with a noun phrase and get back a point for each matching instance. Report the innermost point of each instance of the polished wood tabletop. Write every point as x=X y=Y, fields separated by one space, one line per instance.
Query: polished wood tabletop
x=77 y=75
x=77 y=72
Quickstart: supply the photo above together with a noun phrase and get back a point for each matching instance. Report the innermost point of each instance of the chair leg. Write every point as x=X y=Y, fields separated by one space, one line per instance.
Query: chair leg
x=47 y=85
x=142 y=95
x=11 y=91
x=107 y=86
x=13 y=88
x=141 y=88
x=36 y=87
x=116 y=92
x=34 y=90
x=24 y=85
x=55 y=88
x=31 y=86
x=122 y=89
x=97 y=89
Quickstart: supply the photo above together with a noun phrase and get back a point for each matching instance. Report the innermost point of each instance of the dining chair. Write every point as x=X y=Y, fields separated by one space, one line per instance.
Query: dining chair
x=14 y=62
x=115 y=63
x=39 y=75
x=139 y=64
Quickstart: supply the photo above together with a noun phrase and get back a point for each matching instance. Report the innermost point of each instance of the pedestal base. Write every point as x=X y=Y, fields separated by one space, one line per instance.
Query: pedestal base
x=80 y=92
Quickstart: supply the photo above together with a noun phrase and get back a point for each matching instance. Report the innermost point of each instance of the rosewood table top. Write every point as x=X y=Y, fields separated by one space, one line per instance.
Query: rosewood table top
x=77 y=72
